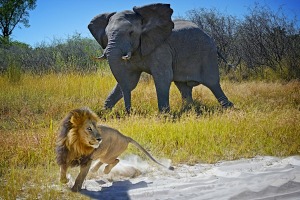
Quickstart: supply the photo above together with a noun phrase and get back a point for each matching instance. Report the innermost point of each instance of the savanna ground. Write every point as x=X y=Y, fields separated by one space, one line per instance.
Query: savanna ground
x=265 y=121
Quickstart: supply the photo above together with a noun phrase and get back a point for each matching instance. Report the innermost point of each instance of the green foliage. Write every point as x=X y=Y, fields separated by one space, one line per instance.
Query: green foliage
x=13 y=12
x=72 y=55
x=14 y=72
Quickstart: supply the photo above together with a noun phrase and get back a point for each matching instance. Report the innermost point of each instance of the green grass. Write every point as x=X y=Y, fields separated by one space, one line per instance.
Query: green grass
x=265 y=121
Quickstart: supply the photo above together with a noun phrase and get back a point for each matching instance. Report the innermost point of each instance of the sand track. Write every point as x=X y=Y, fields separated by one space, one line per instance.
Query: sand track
x=257 y=178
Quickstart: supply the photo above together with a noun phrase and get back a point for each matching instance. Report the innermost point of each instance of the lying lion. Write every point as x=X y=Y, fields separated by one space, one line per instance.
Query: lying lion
x=82 y=139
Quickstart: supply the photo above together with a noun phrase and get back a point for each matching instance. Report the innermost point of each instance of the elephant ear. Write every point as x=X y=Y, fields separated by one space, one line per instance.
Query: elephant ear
x=157 y=25
x=97 y=28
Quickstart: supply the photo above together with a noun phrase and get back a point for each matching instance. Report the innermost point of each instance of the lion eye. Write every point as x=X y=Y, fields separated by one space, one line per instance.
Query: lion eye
x=89 y=129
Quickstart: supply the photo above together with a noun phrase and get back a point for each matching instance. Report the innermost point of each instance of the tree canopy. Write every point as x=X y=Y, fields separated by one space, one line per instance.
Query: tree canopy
x=13 y=12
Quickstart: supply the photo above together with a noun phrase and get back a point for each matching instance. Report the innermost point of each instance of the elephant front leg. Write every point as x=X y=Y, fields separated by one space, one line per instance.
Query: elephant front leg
x=81 y=176
x=127 y=81
x=127 y=85
x=115 y=95
x=127 y=100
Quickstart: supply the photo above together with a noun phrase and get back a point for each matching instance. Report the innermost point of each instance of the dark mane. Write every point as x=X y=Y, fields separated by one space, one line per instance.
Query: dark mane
x=61 y=149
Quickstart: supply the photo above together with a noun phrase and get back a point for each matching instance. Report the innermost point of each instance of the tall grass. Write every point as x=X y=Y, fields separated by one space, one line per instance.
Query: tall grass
x=264 y=122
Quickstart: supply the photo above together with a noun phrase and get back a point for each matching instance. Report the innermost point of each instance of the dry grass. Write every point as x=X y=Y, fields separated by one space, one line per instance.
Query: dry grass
x=265 y=122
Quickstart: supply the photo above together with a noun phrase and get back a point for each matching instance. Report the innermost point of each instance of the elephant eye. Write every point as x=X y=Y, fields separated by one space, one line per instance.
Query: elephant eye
x=130 y=33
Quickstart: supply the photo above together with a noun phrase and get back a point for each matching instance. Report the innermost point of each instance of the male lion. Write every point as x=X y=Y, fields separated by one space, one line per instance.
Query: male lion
x=82 y=139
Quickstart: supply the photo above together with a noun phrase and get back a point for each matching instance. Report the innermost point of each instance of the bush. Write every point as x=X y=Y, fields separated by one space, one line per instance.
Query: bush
x=14 y=72
x=73 y=54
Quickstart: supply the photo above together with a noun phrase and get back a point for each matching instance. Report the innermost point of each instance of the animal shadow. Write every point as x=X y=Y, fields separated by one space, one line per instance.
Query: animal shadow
x=118 y=190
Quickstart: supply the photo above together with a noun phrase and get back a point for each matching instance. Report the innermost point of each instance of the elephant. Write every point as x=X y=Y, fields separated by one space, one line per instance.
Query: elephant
x=147 y=40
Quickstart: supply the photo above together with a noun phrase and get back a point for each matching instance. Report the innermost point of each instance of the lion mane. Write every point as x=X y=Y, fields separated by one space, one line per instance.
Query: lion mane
x=70 y=148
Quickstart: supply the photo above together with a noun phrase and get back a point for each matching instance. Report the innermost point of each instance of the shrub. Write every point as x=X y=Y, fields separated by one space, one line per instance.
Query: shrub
x=73 y=54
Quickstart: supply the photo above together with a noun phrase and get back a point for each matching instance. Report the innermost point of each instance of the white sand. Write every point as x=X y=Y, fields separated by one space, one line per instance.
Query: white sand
x=257 y=178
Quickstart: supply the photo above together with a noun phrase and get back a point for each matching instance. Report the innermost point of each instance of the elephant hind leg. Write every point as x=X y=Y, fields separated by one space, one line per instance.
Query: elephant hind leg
x=186 y=92
x=219 y=94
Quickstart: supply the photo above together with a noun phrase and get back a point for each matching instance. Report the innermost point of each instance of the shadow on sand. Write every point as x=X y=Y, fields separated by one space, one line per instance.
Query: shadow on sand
x=118 y=190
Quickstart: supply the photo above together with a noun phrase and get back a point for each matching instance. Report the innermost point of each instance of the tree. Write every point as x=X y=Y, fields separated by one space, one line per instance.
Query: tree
x=265 y=38
x=13 y=12
x=222 y=28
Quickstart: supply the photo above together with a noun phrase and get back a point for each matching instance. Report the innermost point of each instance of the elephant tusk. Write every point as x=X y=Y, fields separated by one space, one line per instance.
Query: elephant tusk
x=127 y=57
x=102 y=57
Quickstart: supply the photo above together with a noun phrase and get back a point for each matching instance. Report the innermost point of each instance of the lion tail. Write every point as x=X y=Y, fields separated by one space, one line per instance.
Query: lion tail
x=132 y=141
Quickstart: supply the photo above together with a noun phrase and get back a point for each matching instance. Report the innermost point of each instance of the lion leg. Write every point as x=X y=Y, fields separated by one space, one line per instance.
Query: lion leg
x=97 y=166
x=63 y=174
x=110 y=166
x=84 y=169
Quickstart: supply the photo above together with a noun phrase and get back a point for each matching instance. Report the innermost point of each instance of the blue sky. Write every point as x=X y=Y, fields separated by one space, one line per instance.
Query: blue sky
x=58 y=19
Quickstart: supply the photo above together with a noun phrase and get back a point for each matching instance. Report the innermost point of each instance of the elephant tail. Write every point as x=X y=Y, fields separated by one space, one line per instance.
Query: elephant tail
x=228 y=64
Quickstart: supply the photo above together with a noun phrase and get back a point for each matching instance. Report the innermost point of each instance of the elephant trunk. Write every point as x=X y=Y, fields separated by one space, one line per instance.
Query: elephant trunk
x=119 y=68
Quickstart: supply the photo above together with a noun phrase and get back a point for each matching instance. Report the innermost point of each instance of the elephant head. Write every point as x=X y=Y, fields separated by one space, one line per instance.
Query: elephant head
x=145 y=27
x=129 y=35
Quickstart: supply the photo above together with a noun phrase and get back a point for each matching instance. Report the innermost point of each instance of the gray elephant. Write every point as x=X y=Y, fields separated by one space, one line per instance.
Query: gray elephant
x=147 y=40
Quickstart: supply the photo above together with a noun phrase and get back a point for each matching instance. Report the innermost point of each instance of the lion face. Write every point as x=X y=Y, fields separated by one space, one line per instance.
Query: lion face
x=89 y=134
x=78 y=135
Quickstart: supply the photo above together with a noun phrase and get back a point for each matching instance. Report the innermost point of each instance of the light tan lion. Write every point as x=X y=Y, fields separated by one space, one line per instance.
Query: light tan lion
x=82 y=139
